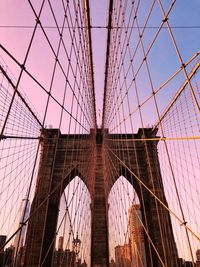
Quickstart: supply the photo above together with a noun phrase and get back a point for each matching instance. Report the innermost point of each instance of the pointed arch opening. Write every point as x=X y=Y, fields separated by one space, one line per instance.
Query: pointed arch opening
x=73 y=234
x=126 y=241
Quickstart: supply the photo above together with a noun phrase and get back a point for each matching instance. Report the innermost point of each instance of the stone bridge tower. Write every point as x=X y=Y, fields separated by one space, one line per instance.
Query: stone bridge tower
x=139 y=158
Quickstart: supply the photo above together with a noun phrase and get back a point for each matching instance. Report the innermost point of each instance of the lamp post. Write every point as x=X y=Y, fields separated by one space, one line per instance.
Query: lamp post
x=76 y=246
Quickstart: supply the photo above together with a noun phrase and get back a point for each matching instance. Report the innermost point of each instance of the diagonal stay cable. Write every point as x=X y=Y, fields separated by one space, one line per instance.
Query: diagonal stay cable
x=192 y=73
x=157 y=198
x=40 y=205
x=19 y=94
x=42 y=87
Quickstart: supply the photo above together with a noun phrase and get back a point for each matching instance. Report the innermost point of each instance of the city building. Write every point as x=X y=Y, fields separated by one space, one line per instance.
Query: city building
x=188 y=264
x=2 y=252
x=64 y=258
x=67 y=257
x=180 y=262
x=84 y=264
x=183 y=263
x=2 y=240
x=9 y=256
x=22 y=216
x=112 y=263
x=138 y=254
x=198 y=258
x=60 y=243
x=123 y=256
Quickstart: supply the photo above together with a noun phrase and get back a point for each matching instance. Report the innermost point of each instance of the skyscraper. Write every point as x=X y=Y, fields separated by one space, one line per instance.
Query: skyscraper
x=2 y=252
x=60 y=243
x=22 y=217
x=2 y=240
x=136 y=237
x=123 y=255
x=198 y=258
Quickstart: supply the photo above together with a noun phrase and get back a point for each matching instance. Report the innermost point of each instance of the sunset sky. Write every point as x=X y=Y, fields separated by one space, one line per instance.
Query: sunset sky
x=17 y=22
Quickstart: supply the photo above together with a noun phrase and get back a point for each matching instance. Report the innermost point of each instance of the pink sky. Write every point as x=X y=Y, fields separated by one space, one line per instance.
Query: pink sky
x=163 y=63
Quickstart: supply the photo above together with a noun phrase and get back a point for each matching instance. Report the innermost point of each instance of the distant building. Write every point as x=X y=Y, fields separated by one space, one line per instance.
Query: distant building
x=64 y=258
x=2 y=252
x=188 y=264
x=180 y=262
x=60 y=243
x=123 y=256
x=84 y=264
x=198 y=258
x=2 y=240
x=183 y=263
x=198 y=255
x=2 y=257
x=9 y=256
x=22 y=216
x=112 y=263
x=138 y=254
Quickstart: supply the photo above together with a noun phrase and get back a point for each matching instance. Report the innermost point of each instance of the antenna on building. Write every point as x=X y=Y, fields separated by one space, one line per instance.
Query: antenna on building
x=99 y=117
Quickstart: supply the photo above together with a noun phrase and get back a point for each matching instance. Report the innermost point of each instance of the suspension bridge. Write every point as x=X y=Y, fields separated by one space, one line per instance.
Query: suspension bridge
x=99 y=133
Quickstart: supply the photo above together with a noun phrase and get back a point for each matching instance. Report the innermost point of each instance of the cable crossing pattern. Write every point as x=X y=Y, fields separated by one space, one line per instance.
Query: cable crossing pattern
x=73 y=193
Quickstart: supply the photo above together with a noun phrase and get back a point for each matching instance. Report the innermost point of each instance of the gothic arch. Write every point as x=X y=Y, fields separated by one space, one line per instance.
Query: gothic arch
x=140 y=163
x=140 y=158
x=56 y=169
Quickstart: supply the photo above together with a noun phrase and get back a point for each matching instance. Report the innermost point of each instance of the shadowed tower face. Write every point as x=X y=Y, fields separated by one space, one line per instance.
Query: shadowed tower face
x=140 y=158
